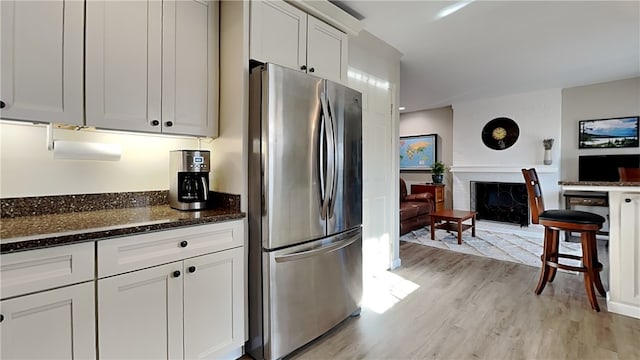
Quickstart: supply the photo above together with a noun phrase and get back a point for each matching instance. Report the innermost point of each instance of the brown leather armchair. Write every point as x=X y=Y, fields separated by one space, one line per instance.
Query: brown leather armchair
x=415 y=209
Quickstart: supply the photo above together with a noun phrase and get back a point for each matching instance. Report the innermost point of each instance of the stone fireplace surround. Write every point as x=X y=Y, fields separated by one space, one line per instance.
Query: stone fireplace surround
x=462 y=176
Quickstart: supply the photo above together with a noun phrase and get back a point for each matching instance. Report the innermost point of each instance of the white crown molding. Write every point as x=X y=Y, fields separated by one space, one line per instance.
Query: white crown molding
x=331 y=14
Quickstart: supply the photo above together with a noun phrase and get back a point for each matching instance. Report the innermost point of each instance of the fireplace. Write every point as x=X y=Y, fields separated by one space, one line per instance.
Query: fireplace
x=500 y=201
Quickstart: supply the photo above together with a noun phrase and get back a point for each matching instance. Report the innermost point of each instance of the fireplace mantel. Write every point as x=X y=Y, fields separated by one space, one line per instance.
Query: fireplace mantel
x=501 y=169
x=462 y=175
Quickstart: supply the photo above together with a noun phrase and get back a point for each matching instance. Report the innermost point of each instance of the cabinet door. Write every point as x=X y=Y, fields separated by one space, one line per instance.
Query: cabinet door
x=214 y=304
x=278 y=34
x=42 y=60
x=326 y=51
x=123 y=65
x=190 y=68
x=627 y=252
x=54 y=324
x=140 y=314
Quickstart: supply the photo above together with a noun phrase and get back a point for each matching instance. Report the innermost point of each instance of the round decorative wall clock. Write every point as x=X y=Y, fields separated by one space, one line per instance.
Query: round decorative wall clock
x=500 y=133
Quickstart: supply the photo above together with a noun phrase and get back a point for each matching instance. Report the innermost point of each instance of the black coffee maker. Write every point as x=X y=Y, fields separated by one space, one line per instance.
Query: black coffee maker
x=189 y=182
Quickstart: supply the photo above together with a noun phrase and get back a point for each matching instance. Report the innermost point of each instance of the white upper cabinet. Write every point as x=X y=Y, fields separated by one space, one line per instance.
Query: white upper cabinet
x=278 y=34
x=42 y=61
x=124 y=58
x=326 y=50
x=190 y=68
x=153 y=66
x=281 y=33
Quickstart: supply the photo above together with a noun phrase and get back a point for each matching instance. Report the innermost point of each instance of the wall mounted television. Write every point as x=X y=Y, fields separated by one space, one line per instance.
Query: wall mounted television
x=604 y=167
x=608 y=133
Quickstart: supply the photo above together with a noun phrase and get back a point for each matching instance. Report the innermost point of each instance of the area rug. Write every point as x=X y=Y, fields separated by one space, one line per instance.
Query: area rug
x=497 y=242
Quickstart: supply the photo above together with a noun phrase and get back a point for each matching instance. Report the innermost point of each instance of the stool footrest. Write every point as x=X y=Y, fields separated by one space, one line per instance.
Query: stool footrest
x=596 y=266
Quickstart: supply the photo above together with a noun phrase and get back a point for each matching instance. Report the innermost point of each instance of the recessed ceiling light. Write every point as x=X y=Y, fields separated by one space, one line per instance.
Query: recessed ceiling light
x=401 y=108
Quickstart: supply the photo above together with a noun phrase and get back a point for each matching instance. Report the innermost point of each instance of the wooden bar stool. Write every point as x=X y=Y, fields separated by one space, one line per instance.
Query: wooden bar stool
x=554 y=221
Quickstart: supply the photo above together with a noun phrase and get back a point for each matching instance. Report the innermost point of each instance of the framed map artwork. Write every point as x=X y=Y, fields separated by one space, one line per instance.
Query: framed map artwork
x=418 y=152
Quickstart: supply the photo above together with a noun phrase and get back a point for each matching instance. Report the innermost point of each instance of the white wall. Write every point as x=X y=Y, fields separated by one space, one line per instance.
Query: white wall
x=372 y=65
x=436 y=121
x=611 y=99
x=27 y=168
x=538 y=115
x=230 y=159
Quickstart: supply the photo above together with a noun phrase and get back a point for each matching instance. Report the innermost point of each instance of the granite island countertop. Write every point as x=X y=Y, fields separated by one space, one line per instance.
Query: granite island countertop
x=96 y=221
x=600 y=183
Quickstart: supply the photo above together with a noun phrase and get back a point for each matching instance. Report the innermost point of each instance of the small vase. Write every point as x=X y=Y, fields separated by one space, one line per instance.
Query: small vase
x=547 y=156
x=437 y=179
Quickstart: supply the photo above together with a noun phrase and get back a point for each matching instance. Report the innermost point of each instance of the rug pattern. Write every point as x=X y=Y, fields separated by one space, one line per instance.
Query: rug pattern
x=501 y=244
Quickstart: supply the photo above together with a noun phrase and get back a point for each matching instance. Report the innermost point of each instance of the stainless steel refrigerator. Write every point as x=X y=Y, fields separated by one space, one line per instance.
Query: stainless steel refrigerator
x=305 y=208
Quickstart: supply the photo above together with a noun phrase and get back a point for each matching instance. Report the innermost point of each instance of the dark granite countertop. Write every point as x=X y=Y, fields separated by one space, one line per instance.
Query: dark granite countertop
x=45 y=227
x=600 y=183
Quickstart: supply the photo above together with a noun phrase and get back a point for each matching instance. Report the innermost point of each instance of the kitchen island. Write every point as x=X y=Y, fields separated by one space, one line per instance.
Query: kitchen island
x=623 y=296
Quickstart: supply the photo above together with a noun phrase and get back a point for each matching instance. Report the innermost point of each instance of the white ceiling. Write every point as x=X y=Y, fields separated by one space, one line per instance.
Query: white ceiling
x=495 y=48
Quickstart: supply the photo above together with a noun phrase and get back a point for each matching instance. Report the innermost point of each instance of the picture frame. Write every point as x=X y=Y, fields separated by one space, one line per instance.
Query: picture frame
x=418 y=152
x=609 y=133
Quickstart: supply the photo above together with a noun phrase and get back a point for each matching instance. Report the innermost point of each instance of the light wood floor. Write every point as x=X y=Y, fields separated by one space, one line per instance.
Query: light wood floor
x=469 y=307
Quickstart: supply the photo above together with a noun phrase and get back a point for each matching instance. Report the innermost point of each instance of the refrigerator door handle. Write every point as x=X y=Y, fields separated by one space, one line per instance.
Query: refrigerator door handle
x=321 y=159
x=314 y=252
x=334 y=164
x=328 y=182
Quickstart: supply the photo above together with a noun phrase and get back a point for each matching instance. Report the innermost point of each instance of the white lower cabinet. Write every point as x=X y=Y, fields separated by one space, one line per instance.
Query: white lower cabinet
x=52 y=324
x=213 y=304
x=191 y=309
x=140 y=314
x=624 y=254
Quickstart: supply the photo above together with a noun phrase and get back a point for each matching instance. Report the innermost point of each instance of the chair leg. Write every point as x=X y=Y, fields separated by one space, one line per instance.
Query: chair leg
x=596 y=262
x=546 y=251
x=555 y=238
x=589 y=274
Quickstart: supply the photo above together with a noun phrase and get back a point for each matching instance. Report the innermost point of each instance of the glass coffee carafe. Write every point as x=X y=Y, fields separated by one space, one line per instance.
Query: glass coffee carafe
x=193 y=187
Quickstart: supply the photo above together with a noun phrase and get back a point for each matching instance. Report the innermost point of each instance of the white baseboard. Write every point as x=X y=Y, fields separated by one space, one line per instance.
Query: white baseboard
x=233 y=354
x=623 y=309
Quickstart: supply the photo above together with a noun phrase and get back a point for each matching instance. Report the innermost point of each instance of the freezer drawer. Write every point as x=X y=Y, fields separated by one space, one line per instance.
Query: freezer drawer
x=312 y=288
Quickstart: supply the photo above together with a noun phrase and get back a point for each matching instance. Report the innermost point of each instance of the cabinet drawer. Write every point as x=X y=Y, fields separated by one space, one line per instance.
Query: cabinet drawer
x=135 y=252
x=588 y=201
x=36 y=270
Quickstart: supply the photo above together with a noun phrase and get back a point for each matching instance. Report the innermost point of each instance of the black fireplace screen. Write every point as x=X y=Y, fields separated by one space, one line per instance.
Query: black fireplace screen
x=500 y=201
